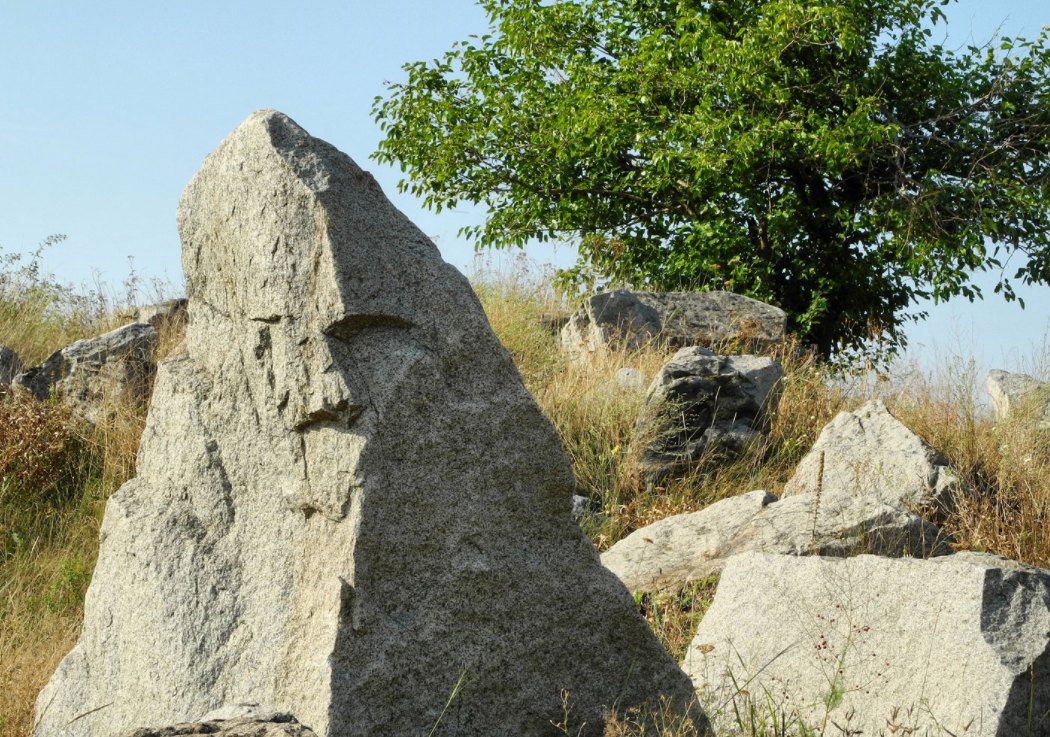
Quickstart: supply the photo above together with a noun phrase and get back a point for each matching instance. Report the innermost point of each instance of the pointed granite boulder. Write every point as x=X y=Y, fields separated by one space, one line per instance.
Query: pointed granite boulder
x=348 y=506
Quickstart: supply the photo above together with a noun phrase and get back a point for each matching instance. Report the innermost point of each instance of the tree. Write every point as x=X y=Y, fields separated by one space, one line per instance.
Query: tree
x=826 y=156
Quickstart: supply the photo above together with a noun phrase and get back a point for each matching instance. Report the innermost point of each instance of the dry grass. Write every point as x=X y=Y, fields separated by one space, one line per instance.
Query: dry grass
x=56 y=471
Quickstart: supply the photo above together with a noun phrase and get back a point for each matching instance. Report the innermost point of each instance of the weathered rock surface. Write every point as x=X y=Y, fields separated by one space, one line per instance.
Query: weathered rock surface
x=274 y=725
x=870 y=453
x=701 y=403
x=1010 y=392
x=678 y=550
x=953 y=645
x=92 y=371
x=347 y=501
x=10 y=365
x=631 y=380
x=622 y=319
x=163 y=313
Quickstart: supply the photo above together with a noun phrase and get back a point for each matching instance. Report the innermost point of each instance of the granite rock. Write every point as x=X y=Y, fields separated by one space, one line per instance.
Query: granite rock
x=625 y=320
x=92 y=373
x=879 y=646
x=869 y=452
x=347 y=505
x=701 y=404
x=10 y=365
x=678 y=550
x=1011 y=392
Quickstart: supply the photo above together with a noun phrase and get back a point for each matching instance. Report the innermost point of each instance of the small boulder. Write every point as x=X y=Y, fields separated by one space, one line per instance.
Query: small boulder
x=1009 y=392
x=869 y=452
x=90 y=372
x=584 y=508
x=10 y=365
x=631 y=380
x=679 y=550
x=701 y=403
x=163 y=313
x=870 y=645
x=623 y=319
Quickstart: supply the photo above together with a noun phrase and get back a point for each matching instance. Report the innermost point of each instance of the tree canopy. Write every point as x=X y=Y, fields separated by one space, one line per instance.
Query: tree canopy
x=826 y=156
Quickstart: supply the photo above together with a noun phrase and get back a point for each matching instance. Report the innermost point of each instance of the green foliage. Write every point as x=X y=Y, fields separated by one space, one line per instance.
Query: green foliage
x=827 y=156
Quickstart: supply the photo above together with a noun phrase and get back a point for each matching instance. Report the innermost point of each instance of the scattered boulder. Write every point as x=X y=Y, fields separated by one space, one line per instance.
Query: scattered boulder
x=701 y=403
x=631 y=380
x=10 y=365
x=624 y=320
x=584 y=509
x=869 y=645
x=90 y=372
x=163 y=313
x=272 y=724
x=679 y=550
x=348 y=505
x=869 y=452
x=1010 y=391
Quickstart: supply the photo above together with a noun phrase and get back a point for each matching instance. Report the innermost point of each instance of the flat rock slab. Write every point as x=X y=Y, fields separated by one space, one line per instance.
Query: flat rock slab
x=701 y=404
x=347 y=505
x=679 y=550
x=871 y=453
x=90 y=373
x=281 y=726
x=1011 y=393
x=954 y=645
x=625 y=320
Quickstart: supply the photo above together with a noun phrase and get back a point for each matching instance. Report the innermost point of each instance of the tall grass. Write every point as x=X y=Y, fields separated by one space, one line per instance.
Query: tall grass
x=57 y=472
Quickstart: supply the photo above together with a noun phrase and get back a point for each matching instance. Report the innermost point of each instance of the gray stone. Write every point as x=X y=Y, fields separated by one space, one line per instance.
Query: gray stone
x=1013 y=392
x=250 y=710
x=348 y=506
x=163 y=313
x=272 y=725
x=584 y=508
x=869 y=452
x=699 y=404
x=624 y=320
x=679 y=550
x=92 y=372
x=880 y=646
x=10 y=365
x=631 y=380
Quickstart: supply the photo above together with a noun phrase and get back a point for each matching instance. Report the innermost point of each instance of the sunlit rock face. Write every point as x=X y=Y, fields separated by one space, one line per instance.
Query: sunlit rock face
x=348 y=506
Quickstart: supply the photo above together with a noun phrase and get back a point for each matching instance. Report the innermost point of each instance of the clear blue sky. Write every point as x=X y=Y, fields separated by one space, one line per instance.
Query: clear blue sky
x=108 y=108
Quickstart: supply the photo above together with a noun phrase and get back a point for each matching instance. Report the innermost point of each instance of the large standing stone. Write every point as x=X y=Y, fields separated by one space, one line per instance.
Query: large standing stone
x=10 y=365
x=869 y=452
x=954 y=645
x=348 y=506
x=678 y=550
x=1009 y=392
x=91 y=372
x=622 y=319
x=701 y=403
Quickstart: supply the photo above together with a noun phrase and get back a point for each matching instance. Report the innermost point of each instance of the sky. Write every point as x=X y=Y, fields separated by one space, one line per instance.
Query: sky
x=107 y=109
